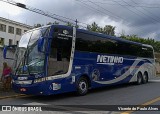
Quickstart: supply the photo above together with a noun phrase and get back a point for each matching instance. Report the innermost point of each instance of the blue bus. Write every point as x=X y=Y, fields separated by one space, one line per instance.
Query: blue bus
x=56 y=59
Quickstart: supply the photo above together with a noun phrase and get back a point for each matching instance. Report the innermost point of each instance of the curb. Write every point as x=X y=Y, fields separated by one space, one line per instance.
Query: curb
x=19 y=95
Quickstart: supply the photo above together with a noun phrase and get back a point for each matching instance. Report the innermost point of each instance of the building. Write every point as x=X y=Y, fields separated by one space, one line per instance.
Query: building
x=11 y=31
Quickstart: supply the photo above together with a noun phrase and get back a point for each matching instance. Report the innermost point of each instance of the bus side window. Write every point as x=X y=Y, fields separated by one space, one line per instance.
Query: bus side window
x=59 y=54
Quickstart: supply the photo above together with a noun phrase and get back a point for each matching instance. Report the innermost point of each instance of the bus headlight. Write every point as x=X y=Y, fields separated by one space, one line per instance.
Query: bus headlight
x=39 y=80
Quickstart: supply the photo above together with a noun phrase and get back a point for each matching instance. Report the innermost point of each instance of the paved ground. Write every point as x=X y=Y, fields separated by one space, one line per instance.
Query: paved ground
x=8 y=94
x=130 y=94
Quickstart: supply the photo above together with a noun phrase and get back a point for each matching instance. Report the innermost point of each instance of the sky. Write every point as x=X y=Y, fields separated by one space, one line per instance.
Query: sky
x=130 y=17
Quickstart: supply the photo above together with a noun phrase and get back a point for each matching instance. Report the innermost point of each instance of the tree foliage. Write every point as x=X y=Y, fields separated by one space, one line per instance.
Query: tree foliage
x=54 y=23
x=38 y=25
x=150 y=41
x=71 y=25
x=49 y=23
x=108 y=29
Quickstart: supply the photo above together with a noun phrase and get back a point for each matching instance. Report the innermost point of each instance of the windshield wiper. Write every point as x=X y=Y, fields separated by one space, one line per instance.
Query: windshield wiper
x=17 y=68
x=23 y=61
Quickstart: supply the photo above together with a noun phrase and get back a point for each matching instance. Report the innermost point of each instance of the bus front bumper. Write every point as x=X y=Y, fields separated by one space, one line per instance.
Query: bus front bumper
x=31 y=89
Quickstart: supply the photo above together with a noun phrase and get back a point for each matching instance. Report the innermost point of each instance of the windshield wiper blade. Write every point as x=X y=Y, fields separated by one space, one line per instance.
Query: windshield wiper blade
x=23 y=61
x=18 y=65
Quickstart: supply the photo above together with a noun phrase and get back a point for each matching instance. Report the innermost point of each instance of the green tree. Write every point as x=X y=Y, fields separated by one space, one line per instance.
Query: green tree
x=54 y=23
x=93 y=27
x=71 y=24
x=149 y=41
x=38 y=25
x=108 y=29
x=49 y=23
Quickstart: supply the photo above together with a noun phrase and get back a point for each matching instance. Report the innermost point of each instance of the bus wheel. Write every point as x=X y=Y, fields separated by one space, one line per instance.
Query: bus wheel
x=145 y=78
x=139 y=78
x=82 y=86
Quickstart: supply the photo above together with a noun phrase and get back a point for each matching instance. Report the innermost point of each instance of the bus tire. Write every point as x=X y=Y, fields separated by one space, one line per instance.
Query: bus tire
x=139 y=79
x=82 y=86
x=145 y=78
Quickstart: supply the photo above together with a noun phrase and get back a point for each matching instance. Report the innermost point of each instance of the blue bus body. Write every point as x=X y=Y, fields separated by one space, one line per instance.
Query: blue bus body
x=98 y=67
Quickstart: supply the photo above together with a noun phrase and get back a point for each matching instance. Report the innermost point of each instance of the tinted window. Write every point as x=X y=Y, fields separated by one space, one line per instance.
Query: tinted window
x=147 y=52
x=60 y=52
x=124 y=48
x=92 y=43
x=135 y=50
x=62 y=44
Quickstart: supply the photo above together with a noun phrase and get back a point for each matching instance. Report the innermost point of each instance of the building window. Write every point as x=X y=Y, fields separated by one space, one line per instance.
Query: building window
x=3 y=27
x=11 y=29
x=25 y=30
x=18 y=31
x=17 y=42
x=1 y=41
x=10 y=41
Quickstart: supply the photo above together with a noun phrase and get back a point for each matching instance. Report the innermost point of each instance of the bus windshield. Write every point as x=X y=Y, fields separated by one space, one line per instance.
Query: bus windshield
x=28 y=59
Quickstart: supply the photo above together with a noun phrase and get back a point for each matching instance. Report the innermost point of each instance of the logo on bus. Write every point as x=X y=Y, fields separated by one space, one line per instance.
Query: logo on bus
x=111 y=60
x=95 y=75
x=65 y=32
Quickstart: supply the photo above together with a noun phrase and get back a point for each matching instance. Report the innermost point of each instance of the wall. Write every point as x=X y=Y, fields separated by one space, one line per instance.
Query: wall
x=157 y=56
x=157 y=67
x=10 y=62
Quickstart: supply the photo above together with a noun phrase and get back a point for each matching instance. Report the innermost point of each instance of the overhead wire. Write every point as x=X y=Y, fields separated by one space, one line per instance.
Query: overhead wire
x=110 y=12
x=154 y=21
x=47 y=14
x=138 y=5
x=142 y=13
x=94 y=9
x=146 y=10
x=62 y=18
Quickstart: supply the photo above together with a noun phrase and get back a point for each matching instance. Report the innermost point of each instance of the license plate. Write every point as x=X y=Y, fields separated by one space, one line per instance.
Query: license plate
x=22 y=78
x=23 y=89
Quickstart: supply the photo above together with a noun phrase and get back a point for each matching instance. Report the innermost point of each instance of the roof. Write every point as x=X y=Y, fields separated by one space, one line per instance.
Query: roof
x=16 y=23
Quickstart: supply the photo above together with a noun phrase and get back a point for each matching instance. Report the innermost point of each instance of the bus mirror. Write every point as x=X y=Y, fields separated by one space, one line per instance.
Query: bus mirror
x=40 y=44
x=5 y=51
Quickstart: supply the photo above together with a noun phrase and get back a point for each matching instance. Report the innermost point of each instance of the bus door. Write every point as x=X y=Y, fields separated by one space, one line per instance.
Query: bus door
x=60 y=52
